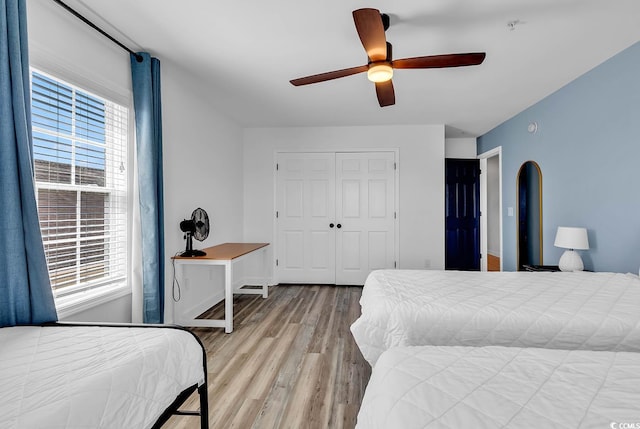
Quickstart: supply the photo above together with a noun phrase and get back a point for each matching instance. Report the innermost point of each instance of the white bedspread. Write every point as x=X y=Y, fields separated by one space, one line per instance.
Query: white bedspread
x=581 y=310
x=93 y=377
x=494 y=387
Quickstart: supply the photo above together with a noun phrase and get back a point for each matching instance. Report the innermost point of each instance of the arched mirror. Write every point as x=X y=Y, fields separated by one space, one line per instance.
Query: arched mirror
x=529 y=210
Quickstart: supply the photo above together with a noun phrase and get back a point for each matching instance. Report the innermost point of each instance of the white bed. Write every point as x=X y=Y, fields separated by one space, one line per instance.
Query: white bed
x=96 y=376
x=494 y=387
x=581 y=310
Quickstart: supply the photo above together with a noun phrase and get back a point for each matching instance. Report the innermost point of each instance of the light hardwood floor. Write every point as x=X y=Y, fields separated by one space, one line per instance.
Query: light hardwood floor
x=290 y=362
x=493 y=263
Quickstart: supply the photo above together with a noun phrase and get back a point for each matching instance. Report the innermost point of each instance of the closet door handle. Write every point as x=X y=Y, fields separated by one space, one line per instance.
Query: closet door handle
x=330 y=225
x=339 y=226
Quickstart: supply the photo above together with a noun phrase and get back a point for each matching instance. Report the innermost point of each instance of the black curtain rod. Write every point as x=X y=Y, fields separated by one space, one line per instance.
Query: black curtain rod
x=98 y=29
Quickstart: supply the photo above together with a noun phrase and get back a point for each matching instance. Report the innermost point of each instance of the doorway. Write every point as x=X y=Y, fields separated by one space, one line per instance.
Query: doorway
x=529 y=211
x=462 y=214
x=491 y=210
x=335 y=216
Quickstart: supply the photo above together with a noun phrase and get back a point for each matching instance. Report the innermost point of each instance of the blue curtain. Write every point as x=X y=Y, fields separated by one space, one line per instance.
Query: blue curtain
x=25 y=289
x=148 y=111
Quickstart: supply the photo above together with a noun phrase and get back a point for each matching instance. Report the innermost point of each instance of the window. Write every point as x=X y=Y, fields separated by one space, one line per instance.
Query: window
x=80 y=160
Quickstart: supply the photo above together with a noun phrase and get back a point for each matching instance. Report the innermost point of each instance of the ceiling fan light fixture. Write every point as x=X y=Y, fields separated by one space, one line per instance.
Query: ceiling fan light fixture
x=380 y=72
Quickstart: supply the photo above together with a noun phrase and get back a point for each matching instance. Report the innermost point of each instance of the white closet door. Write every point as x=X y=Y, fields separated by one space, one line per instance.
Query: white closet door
x=365 y=211
x=305 y=204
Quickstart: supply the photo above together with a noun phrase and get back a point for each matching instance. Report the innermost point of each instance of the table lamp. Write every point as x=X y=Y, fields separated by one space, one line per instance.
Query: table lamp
x=571 y=238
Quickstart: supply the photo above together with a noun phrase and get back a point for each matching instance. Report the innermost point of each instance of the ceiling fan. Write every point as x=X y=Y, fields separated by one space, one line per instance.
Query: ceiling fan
x=371 y=25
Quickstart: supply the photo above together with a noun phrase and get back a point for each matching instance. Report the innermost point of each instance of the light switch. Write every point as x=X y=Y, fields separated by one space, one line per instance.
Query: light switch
x=509 y=211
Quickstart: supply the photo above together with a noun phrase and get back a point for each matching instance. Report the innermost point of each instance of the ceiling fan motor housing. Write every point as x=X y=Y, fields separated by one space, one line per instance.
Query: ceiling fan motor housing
x=385 y=21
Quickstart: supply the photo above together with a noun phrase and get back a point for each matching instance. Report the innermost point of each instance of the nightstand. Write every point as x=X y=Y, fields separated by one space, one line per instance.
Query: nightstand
x=541 y=268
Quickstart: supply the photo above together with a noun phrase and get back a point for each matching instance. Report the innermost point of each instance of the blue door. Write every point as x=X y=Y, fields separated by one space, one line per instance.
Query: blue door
x=462 y=214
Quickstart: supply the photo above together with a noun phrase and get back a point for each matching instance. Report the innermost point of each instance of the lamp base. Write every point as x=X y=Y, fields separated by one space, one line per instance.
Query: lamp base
x=570 y=261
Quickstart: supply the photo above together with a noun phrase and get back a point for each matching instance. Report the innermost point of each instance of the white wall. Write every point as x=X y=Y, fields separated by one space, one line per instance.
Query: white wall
x=421 y=180
x=115 y=311
x=62 y=45
x=462 y=148
x=202 y=168
x=202 y=148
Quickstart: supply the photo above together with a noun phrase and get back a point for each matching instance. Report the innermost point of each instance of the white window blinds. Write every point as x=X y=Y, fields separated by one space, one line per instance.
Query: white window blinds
x=80 y=160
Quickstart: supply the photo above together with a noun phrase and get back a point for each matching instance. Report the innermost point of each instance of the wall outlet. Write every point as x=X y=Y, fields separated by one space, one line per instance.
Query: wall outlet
x=509 y=211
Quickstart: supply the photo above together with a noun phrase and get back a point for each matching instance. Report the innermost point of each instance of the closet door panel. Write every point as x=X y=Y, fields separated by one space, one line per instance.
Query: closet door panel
x=305 y=206
x=365 y=210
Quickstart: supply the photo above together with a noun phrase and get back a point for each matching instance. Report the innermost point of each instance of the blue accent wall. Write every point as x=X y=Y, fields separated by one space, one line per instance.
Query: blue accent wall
x=588 y=149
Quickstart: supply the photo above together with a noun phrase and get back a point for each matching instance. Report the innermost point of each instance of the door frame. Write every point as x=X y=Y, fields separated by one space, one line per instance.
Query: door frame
x=396 y=198
x=484 y=221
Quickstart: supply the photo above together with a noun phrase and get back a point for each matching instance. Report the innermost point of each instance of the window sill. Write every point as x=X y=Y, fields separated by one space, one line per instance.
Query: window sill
x=82 y=301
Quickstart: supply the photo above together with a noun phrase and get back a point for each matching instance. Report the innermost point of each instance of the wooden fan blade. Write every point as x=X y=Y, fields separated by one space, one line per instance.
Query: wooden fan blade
x=386 y=94
x=371 y=32
x=328 y=75
x=440 y=61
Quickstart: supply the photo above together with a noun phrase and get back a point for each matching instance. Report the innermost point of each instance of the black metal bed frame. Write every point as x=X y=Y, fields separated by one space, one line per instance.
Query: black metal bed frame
x=174 y=408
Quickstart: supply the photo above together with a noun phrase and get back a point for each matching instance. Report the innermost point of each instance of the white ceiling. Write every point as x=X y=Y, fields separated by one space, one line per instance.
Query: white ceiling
x=246 y=51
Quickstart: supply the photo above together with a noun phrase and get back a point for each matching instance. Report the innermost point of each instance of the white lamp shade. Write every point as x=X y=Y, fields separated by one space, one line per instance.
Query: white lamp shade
x=572 y=238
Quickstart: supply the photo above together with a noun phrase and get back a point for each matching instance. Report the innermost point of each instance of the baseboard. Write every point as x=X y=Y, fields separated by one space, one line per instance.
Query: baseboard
x=209 y=302
x=254 y=281
x=203 y=306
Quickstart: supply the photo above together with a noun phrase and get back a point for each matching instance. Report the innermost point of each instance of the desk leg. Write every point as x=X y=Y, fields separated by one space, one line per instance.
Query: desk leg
x=265 y=273
x=228 y=298
x=177 y=318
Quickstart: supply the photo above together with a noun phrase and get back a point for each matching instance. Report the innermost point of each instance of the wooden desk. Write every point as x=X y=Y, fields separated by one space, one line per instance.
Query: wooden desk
x=227 y=255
